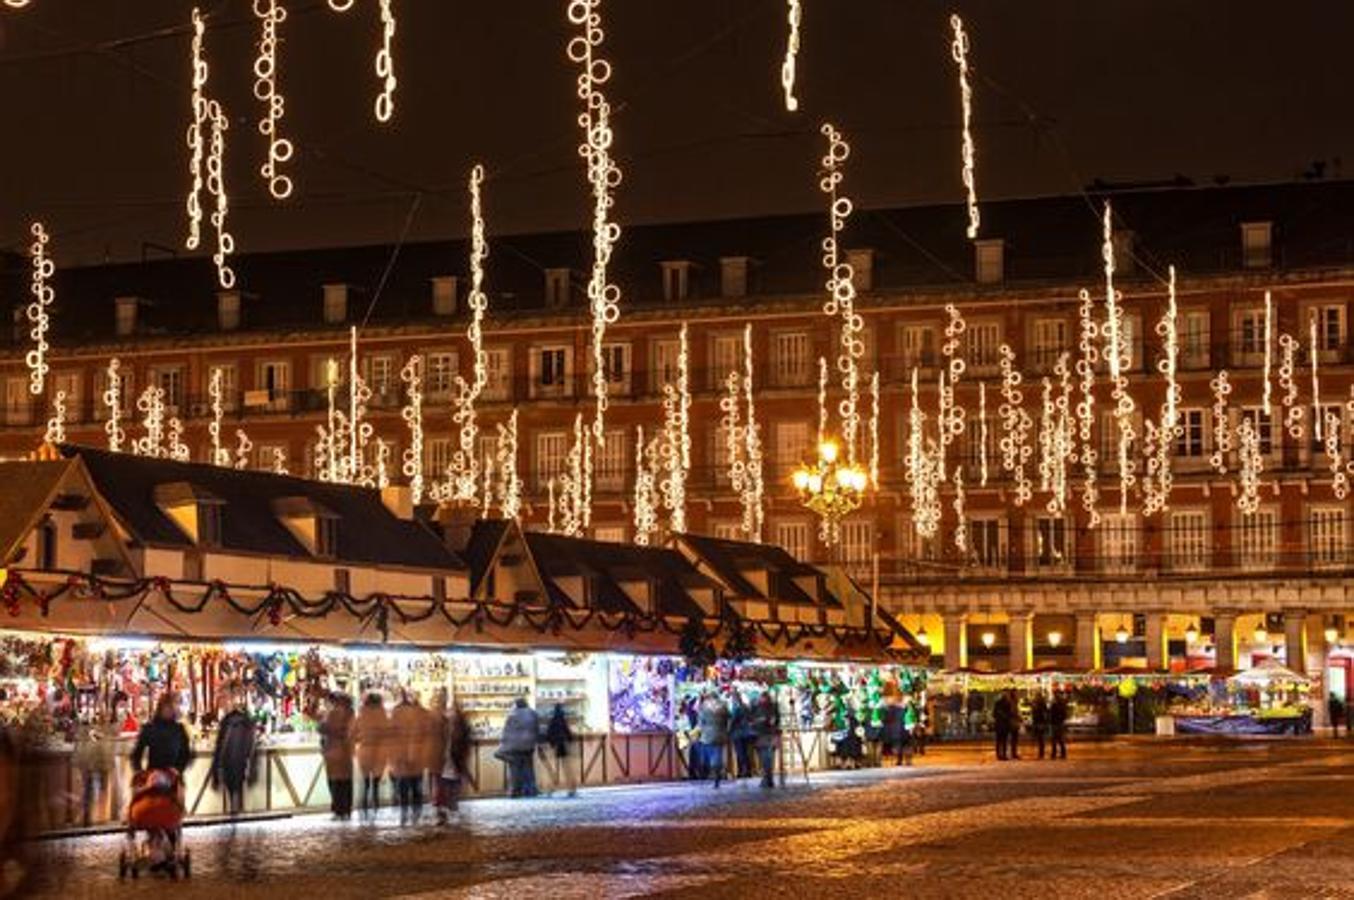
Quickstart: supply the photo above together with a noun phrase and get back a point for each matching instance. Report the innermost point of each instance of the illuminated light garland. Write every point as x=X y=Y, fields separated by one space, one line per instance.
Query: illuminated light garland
x=754 y=506
x=509 y=481
x=646 y=490
x=1252 y=464
x=43 y=294
x=604 y=176
x=280 y=461
x=112 y=398
x=56 y=425
x=385 y=63
x=1313 y=352
x=874 y=430
x=841 y=289
x=177 y=449
x=550 y=524
x=463 y=473
x=822 y=399
x=571 y=501
x=412 y=414
x=220 y=455
x=16 y=4
x=1339 y=478
x=950 y=415
x=271 y=14
x=734 y=446
x=243 y=447
x=1288 y=352
x=677 y=438
x=794 y=15
x=341 y=5
x=1089 y=336
x=961 y=523
x=196 y=142
x=359 y=429
x=1160 y=439
x=216 y=185
x=1222 y=432
x=1117 y=353
x=151 y=403
x=1063 y=437
x=922 y=472
x=487 y=494
x=382 y=474
x=1046 y=442
x=1015 y=427
x=982 y=434
x=330 y=434
x=1269 y=350
x=959 y=51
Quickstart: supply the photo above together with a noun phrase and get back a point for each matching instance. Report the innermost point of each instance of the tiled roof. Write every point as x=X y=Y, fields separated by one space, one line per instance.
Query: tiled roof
x=368 y=532
x=1053 y=240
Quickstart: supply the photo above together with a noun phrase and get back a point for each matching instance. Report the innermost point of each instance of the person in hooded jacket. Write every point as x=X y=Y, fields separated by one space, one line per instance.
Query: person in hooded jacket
x=371 y=734
x=234 y=757
x=560 y=737
x=517 y=747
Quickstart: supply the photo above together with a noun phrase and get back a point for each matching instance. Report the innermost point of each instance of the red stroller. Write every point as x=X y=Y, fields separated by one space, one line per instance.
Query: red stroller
x=157 y=810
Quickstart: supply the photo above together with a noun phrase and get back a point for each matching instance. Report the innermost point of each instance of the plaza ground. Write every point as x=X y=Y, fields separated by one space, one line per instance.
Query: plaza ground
x=1118 y=820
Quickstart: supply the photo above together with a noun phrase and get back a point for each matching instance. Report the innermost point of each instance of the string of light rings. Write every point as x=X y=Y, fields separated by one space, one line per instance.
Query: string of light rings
x=1222 y=433
x=385 y=62
x=412 y=414
x=196 y=144
x=112 y=399
x=271 y=14
x=959 y=50
x=1086 y=363
x=841 y=288
x=795 y=15
x=1288 y=352
x=43 y=294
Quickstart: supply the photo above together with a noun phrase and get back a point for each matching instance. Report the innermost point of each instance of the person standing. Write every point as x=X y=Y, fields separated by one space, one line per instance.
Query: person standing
x=1335 y=707
x=1001 y=723
x=714 y=725
x=372 y=736
x=1017 y=722
x=336 y=744
x=560 y=738
x=892 y=730
x=517 y=748
x=740 y=734
x=407 y=756
x=766 y=729
x=94 y=760
x=163 y=742
x=455 y=753
x=1039 y=721
x=1057 y=720
x=233 y=759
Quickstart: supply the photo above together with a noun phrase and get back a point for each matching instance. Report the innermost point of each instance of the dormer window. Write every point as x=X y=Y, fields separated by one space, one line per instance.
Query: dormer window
x=315 y=526
x=676 y=280
x=195 y=510
x=1257 y=249
x=556 y=288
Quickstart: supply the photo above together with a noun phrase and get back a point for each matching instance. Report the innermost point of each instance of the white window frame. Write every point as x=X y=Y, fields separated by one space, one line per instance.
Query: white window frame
x=437 y=455
x=498 y=372
x=1195 y=347
x=72 y=381
x=611 y=461
x=1248 y=330
x=1330 y=341
x=794 y=536
x=792 y=442
x=663 y=353
x=1120 y=542
x=551 y=454
x=726 y=355
x=1188 y=540
x=279 y=393
x=792 y=359
x=561 y=370
x=1257 y=538
x=616 y=358
x=126 y=375
x=230 y=387
x=1050 y=530
x=1049 y=339
x=920 y=349
x=169 y=378
x=440 y=369
x=982 y=345
x=1192 y=442
x=988 y=542
x=1328 y=535
x=18 y=401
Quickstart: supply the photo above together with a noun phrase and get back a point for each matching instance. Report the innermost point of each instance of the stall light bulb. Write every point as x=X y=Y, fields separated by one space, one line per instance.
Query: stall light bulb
x=829 y=451
x=1121 y=635
x=1261 y=634
x=1055 y=638
x=989 y=639
x=922 y=637
x=1332 y=635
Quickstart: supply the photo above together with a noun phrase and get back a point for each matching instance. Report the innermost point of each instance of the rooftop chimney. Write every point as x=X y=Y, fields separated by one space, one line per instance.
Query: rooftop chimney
x=228 y=310
x=861 y=261
x=733 y=276
x=399 y=499
x=444 y=295
x=124 y=309
x=989 y=261
x=1257 y=244
x=335 y=304
x=457 y=521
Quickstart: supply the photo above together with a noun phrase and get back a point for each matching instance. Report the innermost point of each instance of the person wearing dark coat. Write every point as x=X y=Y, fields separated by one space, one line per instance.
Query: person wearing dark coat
x=893 y=730
x=517 y=747
x=1039 y=721
x=1017 y=722
x=850 y=749
x=714 y=726
x=560 y=737
x=163 y=742
x=1057 y=721
x=233 y=758
x=766 y=728
x=456 y=752
x=740 y=735
x=1001 y=723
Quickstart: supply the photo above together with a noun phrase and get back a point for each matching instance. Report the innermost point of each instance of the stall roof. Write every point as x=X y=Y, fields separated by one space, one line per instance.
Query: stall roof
x=369 y=533
x=26 y=490
x=608 y=564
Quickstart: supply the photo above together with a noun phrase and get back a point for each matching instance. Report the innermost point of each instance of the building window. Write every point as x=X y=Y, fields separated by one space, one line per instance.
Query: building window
x=552 y=447
x=439 y=378
x=1050 y=342
x=1330 y=327
x=1050 y=548
x=857 y=547
x=230 y=387
x=72 y=383
x=1118 y=543
x=275 y=381
x=919 y=346
x=266 y=455
x=126 y=394
x=1327 y=418
x=989 y=259
x=791 y=358
x=676 y=280
x=498 y=369
x=611 y=460
x=982 y=344
x=616 y=363
x=794 y=537
x=791 y=443
x=381 y=378
x=1327 y=541
x=971 y=447
x=1190 y=441
x=987 y=543
x=1256 y=538
x=326 y=536
x=1194 y=337
x=17 y=402
x=1263 y=425
x=170 y=380
x=552 y=370
x=437 y=454
x=664 y=369
x=1256 y=244
x=1250 y=334
x=1188 y=541
x=726 y=355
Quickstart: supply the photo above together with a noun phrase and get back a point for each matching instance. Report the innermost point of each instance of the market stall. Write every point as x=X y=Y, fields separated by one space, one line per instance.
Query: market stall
x=1268 y=699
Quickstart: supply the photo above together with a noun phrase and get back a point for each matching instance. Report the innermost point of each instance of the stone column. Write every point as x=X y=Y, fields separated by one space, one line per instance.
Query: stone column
x=1295 y=639
x=1020 y=640
x=956 y=640
x=1086 y=650
x=1224 y=639
x=1158 y=652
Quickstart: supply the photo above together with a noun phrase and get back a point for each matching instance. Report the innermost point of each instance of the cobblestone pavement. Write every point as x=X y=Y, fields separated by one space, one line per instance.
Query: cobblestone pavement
x=1117 y=821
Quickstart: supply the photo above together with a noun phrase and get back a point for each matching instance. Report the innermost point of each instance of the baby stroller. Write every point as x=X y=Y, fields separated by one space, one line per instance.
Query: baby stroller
x=157 y=810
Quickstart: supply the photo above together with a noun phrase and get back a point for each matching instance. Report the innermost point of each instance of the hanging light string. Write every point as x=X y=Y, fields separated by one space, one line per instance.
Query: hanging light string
x=961 y=542
x=677 y=437
x=216 y=393
x=1269 y=344
x=646 y=491
x=822 y=399
x=982 y=434
x=922 y=476
x=1339 y=479
x=842 y=289
x=112 y=399
x=196 y=143
x=385 y=62
x=216 y=185
x=279 y=465
x=1288 y=352
x=570 y=501
x=950 y=415
x=271 y=14
x=959 y=51
x=1252 y=464
x=794 y=15
x=735 y=462
x=874 y=430
x=1222 y=432
x=1015 y=427
x=1160 y=439
x=1089 y=338
x=56 y=425
x=463 y=473
x=38 y=316
x=151 y=403
x=510 y=482
x=177 y=450
x=604 y=176
x=1119 y=353
x=1063 y=437
x=1313 y=351
x=243 y=448
x=754 y=506
x=207 y=113
x=412 y=414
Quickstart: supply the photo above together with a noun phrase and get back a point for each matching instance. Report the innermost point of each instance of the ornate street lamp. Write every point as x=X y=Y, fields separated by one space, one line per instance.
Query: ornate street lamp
x=831 y=488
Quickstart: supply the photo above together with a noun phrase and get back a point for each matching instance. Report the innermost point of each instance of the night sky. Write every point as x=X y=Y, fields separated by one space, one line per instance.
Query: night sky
x=95 y=103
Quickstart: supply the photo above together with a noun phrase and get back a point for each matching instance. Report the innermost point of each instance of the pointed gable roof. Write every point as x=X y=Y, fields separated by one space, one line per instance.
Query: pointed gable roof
x=26 y=491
